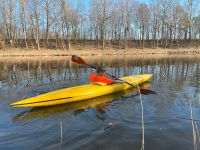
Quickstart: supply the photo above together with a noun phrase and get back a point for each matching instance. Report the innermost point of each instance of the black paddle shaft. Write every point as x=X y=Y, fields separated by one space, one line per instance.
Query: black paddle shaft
x=79 y=60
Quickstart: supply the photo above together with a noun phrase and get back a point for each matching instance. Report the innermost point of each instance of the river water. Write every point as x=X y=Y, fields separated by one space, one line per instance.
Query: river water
x=111 y=122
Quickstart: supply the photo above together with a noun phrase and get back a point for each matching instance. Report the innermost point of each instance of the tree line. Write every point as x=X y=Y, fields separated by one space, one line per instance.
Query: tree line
x=60 y=24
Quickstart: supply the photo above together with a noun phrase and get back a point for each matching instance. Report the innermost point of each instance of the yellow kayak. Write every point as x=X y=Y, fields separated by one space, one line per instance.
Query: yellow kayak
x=81 y=92
x=97 y=103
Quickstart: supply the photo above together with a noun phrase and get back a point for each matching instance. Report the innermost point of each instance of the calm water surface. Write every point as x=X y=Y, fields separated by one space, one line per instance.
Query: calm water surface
x=111 y=122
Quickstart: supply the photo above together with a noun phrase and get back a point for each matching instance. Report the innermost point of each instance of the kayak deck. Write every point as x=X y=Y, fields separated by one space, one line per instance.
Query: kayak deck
x=81 y=92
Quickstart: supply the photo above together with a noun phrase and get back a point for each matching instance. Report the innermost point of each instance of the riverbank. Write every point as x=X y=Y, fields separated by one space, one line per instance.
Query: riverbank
x=95 y=52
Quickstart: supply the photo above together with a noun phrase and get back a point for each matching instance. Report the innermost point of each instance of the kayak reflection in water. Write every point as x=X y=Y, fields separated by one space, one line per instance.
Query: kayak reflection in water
x=100 y=78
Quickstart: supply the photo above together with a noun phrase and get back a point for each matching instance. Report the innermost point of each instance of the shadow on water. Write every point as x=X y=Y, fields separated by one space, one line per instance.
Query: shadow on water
x=98 y=103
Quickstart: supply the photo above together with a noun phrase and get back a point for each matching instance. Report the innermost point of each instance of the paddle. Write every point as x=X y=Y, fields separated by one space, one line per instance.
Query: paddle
x=80 y=61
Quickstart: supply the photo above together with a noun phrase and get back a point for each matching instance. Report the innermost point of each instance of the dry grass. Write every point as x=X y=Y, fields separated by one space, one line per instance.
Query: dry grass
x=95 y=52
x=94 y=58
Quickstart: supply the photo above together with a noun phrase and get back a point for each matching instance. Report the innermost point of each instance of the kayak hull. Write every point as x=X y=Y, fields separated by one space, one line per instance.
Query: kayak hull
x=81 y=92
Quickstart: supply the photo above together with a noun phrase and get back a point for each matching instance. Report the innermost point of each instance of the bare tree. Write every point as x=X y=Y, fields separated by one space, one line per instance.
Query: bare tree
x=35 y=6
x=197 y=29
x=52 y=14
x=7 y=12
x=142 y=18
x=65 y=18
x=2 y=40
x=102 y=11
x=127 y=10
x=23 y=20
x=155 y=23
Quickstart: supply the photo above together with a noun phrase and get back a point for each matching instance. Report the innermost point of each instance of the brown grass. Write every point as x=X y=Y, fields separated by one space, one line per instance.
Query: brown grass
x=95 y=52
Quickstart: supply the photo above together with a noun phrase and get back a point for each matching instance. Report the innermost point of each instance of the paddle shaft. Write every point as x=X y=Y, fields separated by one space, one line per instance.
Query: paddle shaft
x=79 y=60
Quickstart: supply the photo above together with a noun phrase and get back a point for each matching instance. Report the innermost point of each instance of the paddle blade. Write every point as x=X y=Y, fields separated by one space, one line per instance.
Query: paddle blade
x=78 y=60
x=147 y=91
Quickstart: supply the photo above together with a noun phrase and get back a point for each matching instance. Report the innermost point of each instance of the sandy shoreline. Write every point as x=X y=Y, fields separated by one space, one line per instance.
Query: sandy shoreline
x=97 y=52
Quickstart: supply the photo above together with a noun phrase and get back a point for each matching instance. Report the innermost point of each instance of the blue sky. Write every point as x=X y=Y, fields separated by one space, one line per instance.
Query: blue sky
x=142 y=1
x=87 y=2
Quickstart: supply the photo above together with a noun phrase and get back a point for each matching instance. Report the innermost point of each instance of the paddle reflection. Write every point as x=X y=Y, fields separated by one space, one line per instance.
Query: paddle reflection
x=98 y=103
